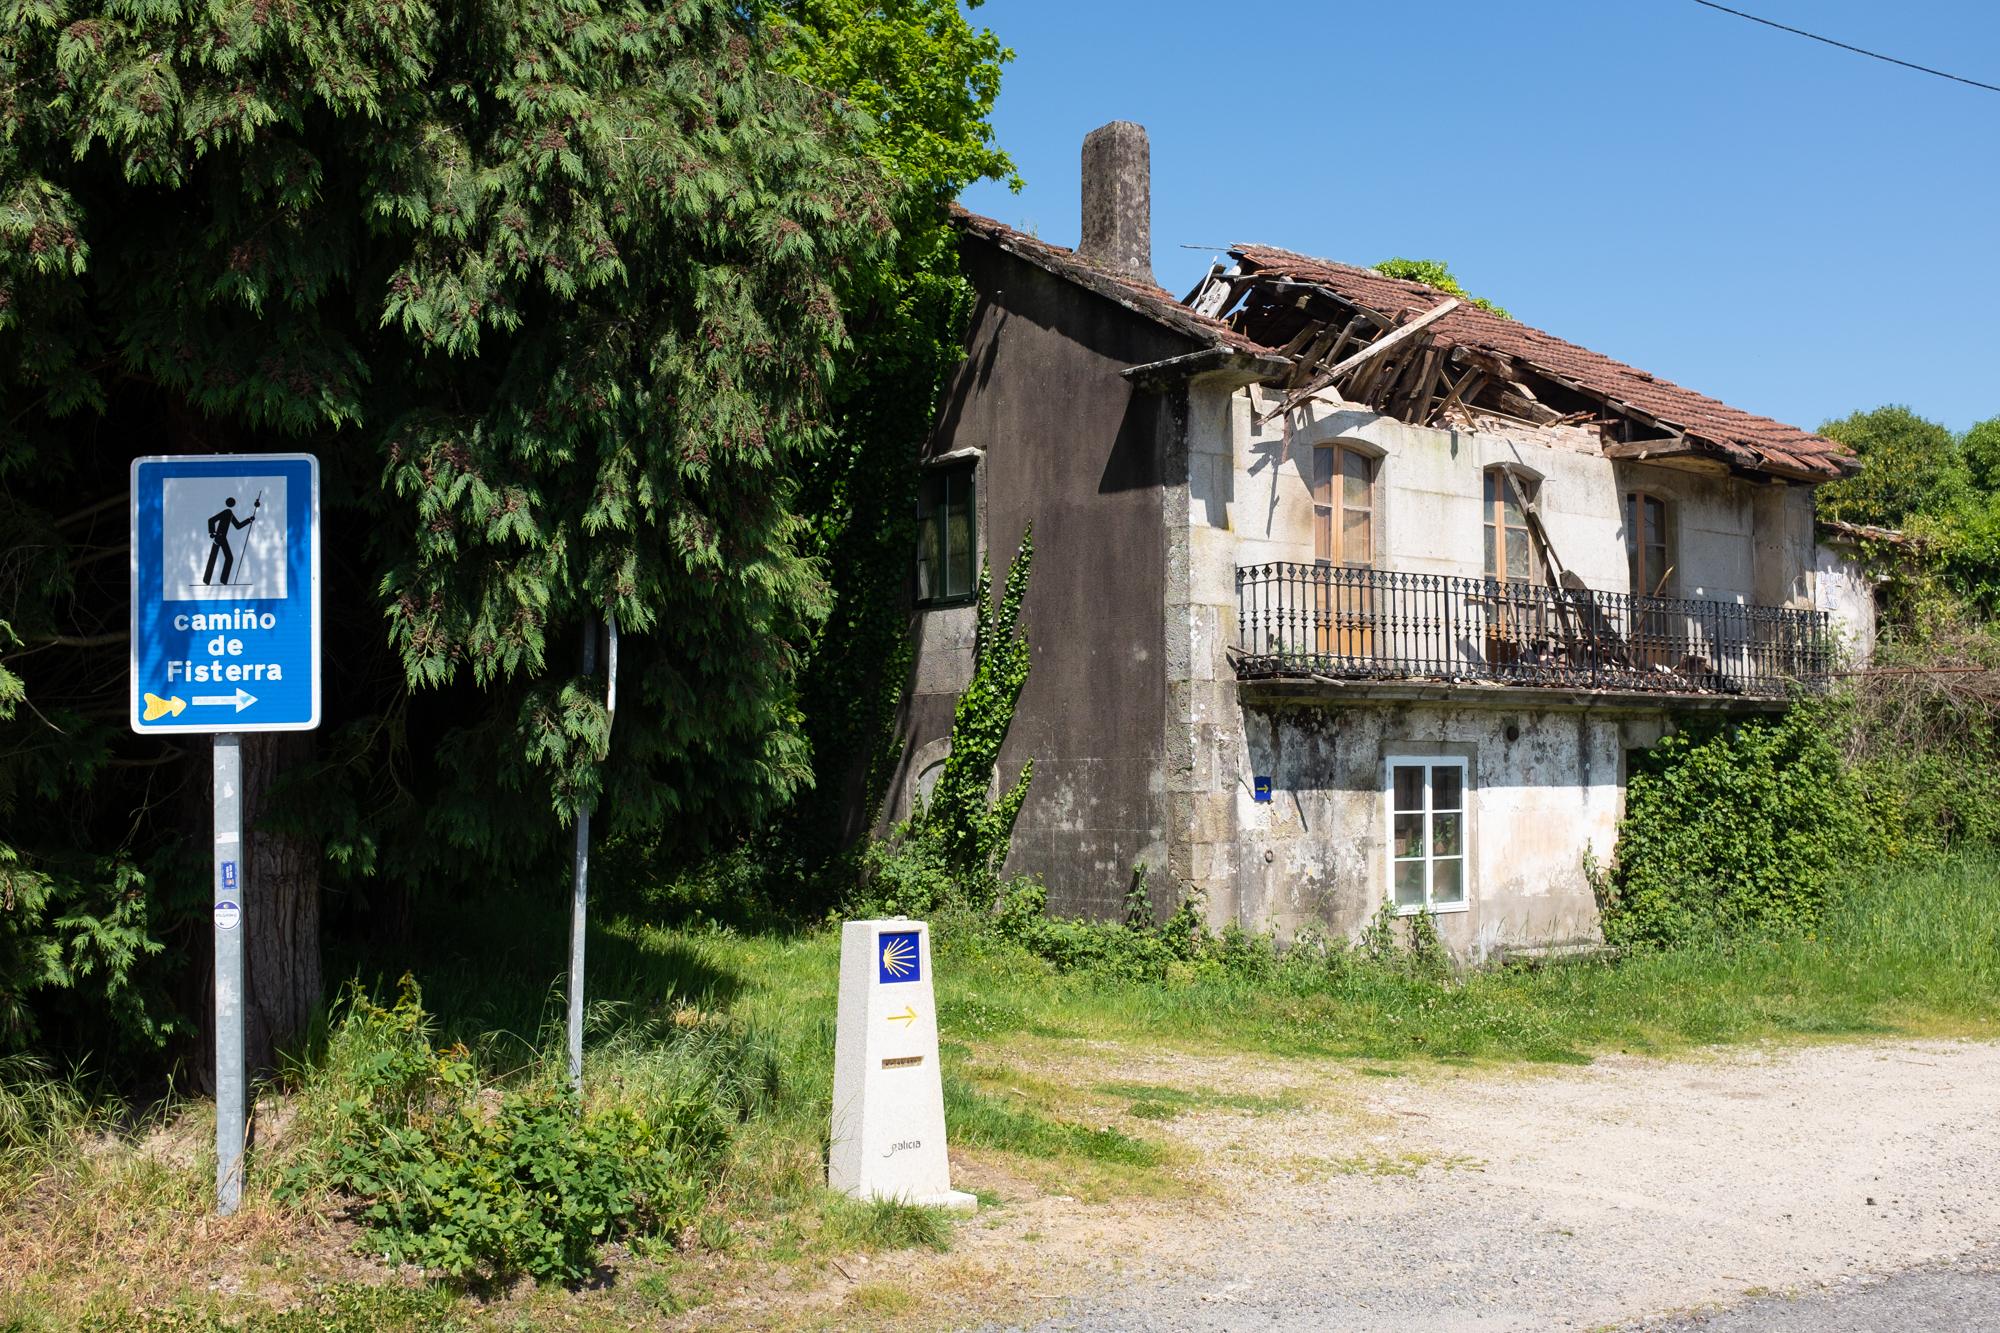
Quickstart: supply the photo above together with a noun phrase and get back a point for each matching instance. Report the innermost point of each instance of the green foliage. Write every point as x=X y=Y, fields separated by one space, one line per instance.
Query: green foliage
x=884 y=1224
x=928 y=78
x=908 y=874
x=555 y=292
x=1741 y=830
x=1435 y=273
x=526 y=1181
x=1909 y=466
x=922 y=72
x=74 y=950
x=1924 y=739
x=972 y=831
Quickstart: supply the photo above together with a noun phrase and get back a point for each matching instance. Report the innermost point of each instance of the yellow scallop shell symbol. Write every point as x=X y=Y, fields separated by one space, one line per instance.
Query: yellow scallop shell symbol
x=899 y=956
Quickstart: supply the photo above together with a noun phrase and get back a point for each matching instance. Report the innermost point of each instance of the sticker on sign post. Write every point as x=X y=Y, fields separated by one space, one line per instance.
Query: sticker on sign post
x=225 y=593
x=227 y=915
x=887 y=1139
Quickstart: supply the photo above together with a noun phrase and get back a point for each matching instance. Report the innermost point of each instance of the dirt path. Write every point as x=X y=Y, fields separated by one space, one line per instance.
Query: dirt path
x=1580 y=1198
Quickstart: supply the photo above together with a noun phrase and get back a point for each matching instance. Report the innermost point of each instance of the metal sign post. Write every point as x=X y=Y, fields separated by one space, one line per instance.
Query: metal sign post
x=579 y=900
x=225 y=639
x=229 y=1080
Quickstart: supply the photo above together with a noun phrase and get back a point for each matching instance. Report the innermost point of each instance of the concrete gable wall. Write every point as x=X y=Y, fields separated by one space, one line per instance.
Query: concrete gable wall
x=1072 y=447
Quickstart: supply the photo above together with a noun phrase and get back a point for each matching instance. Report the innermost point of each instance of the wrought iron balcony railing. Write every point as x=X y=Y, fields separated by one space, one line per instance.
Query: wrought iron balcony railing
x=1302 y=620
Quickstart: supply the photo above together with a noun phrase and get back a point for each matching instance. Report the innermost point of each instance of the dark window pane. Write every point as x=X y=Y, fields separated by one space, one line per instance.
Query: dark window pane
x=1447 y=787
x=947 y=536
x=930 y=560
x=959 y=556
x=1492 y=557
x=1409 y=835
x=1409 y=787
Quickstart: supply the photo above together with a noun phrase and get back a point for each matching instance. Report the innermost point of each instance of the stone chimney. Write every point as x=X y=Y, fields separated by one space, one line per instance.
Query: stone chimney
x=1118 y=201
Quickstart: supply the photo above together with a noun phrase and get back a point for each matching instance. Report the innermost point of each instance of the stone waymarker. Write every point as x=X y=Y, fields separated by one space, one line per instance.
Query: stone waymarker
x=888 y=1098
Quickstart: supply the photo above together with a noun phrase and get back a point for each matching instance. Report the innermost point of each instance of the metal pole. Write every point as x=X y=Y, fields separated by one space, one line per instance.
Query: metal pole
x=580 y=895
x=228 y=911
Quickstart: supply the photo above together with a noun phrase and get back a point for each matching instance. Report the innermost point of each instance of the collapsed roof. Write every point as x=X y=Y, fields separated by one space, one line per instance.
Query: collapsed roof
x=1308 y=326
x=1413 y=352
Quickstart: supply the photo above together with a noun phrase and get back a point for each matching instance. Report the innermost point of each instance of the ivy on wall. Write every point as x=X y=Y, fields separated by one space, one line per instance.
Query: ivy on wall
x=972 y=831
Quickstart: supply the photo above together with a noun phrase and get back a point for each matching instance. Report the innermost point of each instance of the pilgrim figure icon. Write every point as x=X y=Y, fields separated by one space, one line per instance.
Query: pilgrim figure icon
x=223 y=539
x=219 y=526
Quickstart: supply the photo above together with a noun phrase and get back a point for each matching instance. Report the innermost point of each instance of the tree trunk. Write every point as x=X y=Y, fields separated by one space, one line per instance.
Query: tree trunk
x=280 y=907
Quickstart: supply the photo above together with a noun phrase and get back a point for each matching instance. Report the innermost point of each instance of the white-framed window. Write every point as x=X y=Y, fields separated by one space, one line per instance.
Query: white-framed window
x=1428 y=833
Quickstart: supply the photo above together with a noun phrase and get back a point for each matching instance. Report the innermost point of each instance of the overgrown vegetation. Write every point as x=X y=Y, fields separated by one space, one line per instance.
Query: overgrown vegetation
x=94 y=1204
x=585 y=309
x=1734 y=830
x=947 y=855
x=532 y=1179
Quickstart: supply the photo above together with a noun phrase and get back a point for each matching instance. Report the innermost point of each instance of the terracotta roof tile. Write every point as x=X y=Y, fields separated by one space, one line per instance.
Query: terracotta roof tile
x=1742 y=438
x=1155 y=303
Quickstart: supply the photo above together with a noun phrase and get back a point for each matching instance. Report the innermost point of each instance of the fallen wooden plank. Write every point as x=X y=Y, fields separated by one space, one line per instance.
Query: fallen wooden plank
x=1394 y=338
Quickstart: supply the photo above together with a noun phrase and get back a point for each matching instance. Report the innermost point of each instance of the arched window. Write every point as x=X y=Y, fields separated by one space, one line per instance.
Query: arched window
x=1511 y=552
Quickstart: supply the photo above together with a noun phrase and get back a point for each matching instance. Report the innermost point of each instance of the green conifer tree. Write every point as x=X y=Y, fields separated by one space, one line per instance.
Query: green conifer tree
x=553 y=290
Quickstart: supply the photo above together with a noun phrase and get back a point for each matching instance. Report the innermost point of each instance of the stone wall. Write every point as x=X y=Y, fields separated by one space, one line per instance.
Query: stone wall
x=1545 y=783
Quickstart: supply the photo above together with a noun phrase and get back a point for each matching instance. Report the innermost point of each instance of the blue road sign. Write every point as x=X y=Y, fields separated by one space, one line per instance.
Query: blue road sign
x=225 y=593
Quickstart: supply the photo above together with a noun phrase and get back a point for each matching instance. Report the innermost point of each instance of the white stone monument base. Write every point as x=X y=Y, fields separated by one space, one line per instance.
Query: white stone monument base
x=887 y=1139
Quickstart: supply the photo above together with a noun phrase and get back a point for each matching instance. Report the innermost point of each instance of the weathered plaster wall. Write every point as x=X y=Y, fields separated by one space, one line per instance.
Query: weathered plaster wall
x=1737 y=541
x=1547 y=772
x=1847 y=589
x=1545 y=784
x=1071 y=446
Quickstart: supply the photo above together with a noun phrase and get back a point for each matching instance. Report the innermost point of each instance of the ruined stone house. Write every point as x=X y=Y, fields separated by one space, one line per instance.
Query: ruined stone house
x=1344 y=592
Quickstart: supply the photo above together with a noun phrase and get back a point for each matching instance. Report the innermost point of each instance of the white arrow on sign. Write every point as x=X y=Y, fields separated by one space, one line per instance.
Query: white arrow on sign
x=242 y=699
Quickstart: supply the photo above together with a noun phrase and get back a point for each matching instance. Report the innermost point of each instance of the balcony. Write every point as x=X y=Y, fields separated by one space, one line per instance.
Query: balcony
x=1319 y=622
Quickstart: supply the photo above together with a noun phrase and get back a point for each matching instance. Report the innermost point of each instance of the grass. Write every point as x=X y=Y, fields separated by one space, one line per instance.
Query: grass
x=103 y=1211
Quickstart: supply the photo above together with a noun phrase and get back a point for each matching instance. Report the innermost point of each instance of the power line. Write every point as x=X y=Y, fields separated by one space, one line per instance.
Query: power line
x=1858 y=50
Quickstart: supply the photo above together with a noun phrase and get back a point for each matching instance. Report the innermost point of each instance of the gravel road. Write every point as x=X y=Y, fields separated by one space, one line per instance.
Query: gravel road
x=1731 y=1191
x=1955 y=1298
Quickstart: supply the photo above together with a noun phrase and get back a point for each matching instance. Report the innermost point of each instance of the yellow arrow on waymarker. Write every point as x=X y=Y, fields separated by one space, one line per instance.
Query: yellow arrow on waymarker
x=907 y=1017
x=158 y=707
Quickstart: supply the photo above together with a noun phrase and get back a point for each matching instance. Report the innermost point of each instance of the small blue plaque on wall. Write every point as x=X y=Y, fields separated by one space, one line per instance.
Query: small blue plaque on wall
x=1260 y=788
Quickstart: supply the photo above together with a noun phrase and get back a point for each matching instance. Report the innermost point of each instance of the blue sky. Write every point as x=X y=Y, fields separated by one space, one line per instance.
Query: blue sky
x=1794 y=229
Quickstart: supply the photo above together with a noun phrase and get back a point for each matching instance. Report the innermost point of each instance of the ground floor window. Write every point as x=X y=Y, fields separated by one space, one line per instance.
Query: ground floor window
x=1427 y=809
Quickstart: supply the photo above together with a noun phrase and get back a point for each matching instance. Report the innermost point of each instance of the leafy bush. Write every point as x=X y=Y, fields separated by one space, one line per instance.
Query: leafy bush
x=73 y=948
x=1923 y=738
x=467 y=1181
x=909 y=873
x=1740 y=830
